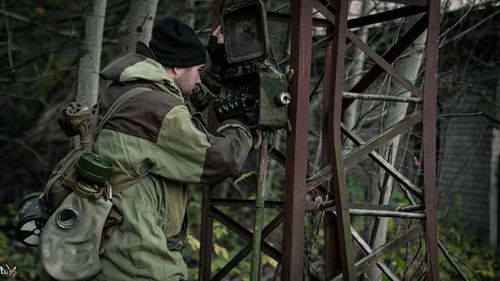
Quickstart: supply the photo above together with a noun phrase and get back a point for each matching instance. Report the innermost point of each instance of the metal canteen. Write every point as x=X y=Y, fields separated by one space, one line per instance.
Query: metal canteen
x=94 y=169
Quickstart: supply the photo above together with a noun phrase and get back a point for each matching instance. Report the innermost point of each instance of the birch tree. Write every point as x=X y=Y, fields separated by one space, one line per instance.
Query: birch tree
x=90 y=53
x=351 y=113
x=140 y=23
x=409 y=67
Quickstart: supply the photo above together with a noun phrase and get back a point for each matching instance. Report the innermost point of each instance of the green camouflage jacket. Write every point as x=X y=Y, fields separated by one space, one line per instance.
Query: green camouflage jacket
x=154 y=136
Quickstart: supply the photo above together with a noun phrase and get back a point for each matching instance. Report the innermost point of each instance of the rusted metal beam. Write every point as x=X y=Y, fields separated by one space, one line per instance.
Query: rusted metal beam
x=448 y=257
x=327 y=205
x=385 y=16
x=243 y=232
x=422 y=3
x=280 y=159
x=368 y=206
x=282 y=17
x=359 y=153
x=383 y=63
x=243 y=253
x=367 y=262
x=369 y=52
x=296 y=150
x=333 y=265
x=398 y=48
x=333 y=119
x=383 y=213
x=405 y=182
x=357 y=22
x=206 y=225
x=228 y=202
x=206 y=237
x=277 y=156
x=430 y=137
x=373 y=210
x=367 y=249
x=381 y=97
x=256 y=264
x=296 y=163
x=324 y=11
x=390 y=56
x=319 y=178
x=412 y=208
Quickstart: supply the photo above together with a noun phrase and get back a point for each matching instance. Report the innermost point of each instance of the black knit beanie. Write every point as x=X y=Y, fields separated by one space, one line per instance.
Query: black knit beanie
x=175 y=44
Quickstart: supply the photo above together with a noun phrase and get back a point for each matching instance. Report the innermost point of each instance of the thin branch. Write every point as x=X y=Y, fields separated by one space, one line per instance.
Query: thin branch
x=36 y=79
x=24 y=19
x=466 y=265
x=470 y=114
x=52 y=49
x=21 y=97
x=27 y=147
x=9 y=40
x=457 y=23
x=470 y=29
x=72 y=34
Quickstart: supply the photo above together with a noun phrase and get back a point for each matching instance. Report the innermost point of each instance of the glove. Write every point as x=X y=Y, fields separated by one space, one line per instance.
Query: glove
x=217 y=54
x=210 y=76
x=211 y=79
x=200 y=98
x=235 y=107
x=203 y=94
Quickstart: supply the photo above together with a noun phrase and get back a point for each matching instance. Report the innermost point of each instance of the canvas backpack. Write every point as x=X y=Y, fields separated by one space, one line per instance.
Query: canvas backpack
x=67 y=220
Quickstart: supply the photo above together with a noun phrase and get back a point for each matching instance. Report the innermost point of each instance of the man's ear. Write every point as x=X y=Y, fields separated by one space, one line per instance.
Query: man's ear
x=175 y=70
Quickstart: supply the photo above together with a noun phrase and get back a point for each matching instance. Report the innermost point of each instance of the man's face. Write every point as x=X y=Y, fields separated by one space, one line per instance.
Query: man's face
x=187 y=78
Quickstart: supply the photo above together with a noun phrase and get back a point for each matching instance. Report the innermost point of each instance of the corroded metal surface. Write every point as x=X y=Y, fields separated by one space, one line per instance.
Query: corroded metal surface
x=296 y=151
x=331 y=179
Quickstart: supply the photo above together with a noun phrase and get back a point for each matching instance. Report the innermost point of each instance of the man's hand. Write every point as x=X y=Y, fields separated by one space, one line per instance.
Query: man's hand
x=218 y=33
x=201 y=97
x=216 y=50
x=235 y=107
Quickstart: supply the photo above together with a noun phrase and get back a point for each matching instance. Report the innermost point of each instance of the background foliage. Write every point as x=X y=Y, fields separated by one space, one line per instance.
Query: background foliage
x=38 y=63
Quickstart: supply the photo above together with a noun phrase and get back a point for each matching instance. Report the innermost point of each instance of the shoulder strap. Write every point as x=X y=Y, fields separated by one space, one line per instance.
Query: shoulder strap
x=117 y=104
x=117 y=188
x=112 y=109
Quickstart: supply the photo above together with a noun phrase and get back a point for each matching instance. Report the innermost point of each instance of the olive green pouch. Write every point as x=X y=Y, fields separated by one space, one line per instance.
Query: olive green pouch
x=71 y=238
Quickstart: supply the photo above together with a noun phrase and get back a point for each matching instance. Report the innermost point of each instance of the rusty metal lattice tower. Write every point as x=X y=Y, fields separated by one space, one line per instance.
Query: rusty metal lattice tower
x=339 y=235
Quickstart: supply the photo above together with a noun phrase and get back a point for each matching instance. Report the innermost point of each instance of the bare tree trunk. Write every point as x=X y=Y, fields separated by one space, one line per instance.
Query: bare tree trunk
x=494 y=177
x=182 y=10
x=409 y=67
x=355 y=69
x=139 y=23
x=90 y=53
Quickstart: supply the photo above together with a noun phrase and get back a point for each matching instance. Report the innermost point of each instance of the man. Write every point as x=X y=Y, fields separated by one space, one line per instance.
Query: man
x=158 y=148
